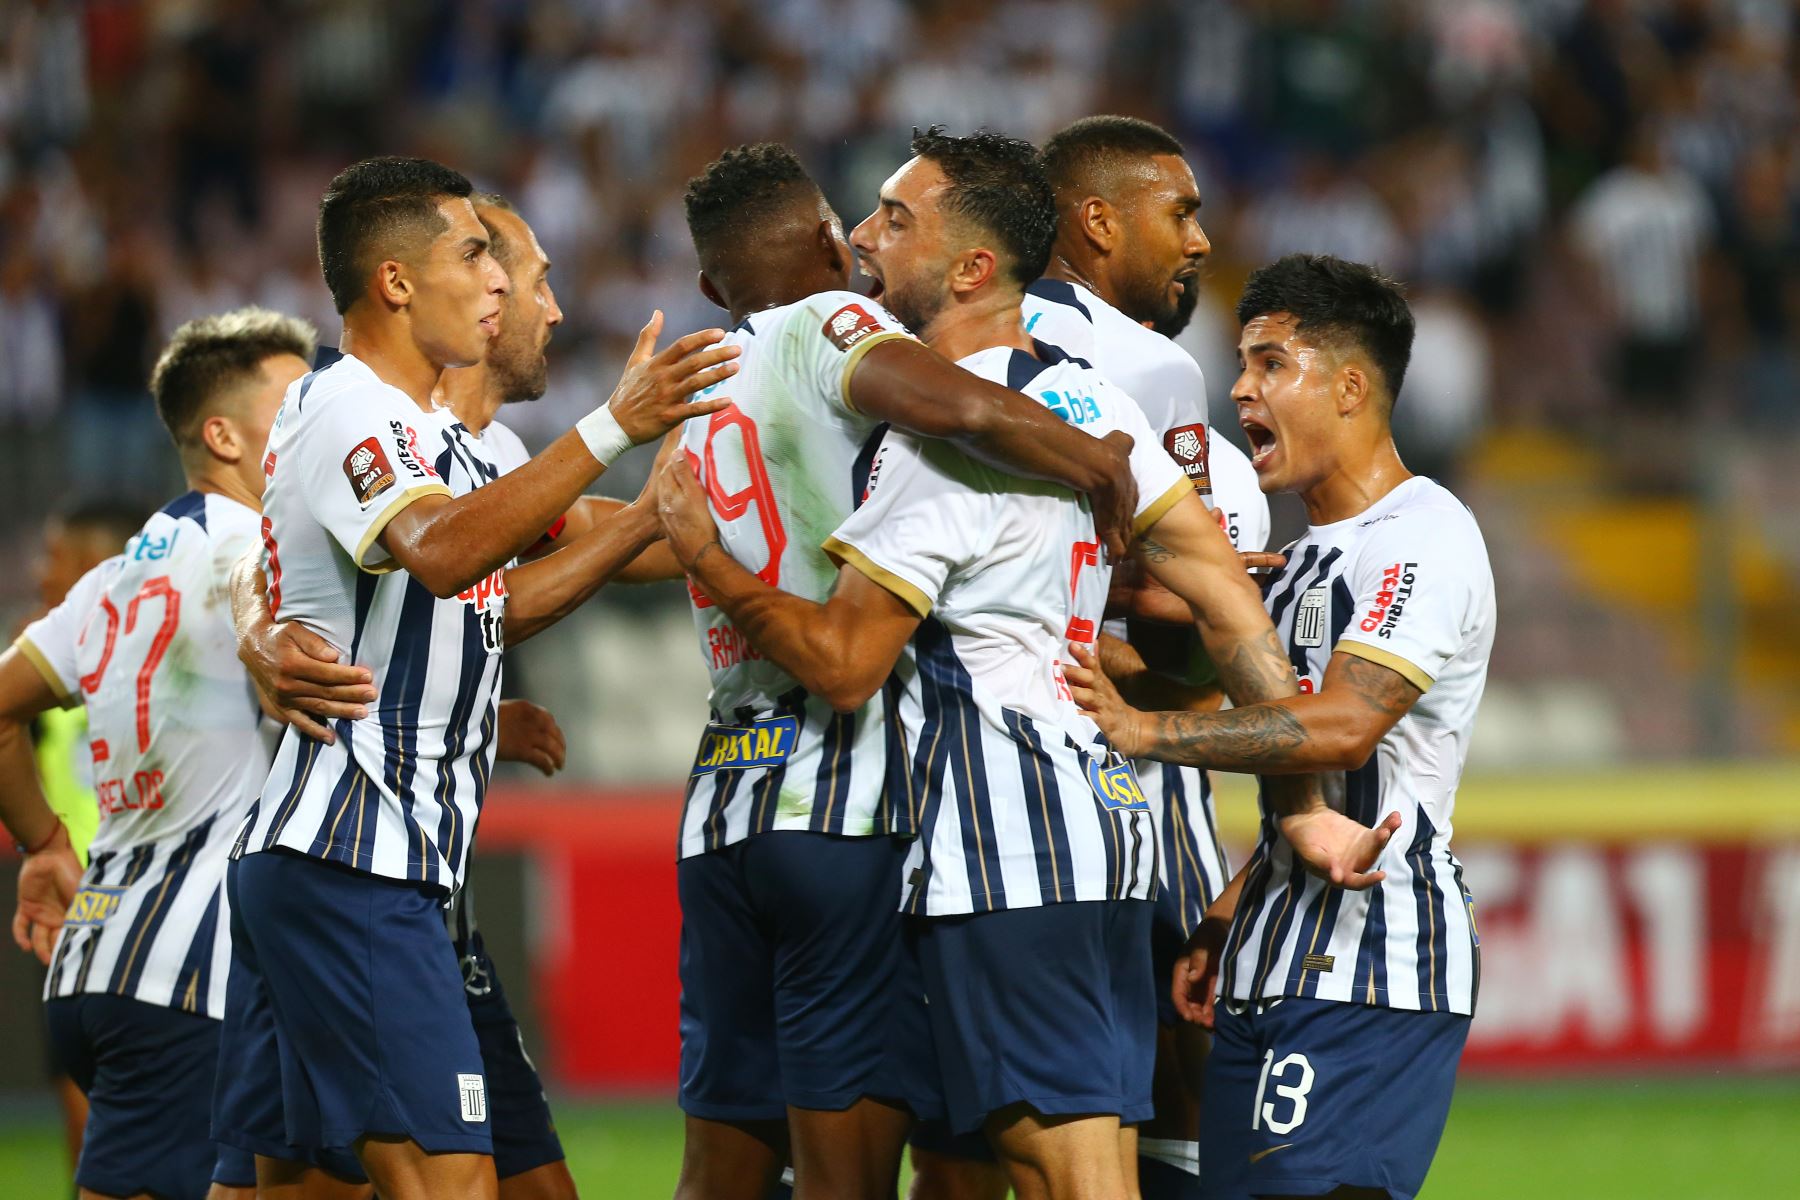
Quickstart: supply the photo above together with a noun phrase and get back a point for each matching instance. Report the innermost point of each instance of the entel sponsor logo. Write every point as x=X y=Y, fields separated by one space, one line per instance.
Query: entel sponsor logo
x=763 y=743
x=92 y=905
x=1390 y=601
x=486 y=592
x=1117 y=787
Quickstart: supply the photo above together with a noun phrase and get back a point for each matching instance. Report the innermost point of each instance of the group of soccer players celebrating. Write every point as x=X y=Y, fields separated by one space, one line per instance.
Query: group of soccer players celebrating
x=973 y=578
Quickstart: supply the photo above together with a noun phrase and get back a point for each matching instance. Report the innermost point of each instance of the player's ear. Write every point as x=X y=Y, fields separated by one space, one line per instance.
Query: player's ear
x=1353 y=390
x=1098 y=223
x=972 y=269
x=392 y=283
x=711 y=292
x=834 y=247
x=220 y=437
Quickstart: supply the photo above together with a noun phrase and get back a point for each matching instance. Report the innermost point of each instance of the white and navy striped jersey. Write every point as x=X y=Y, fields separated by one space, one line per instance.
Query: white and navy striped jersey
x=782 y=468
x=175 y=732
x=1019 y=801
x=399 y=793
x=1405 y=584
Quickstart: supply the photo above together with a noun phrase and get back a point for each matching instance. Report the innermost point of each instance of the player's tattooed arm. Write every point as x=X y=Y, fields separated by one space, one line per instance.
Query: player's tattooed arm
x=913 y=388
x=301 y=679
x=840 y=651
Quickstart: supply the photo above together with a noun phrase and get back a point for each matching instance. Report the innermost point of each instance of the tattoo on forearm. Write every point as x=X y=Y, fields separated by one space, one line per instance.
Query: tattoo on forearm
x=1257 y=669
x=1239 y=740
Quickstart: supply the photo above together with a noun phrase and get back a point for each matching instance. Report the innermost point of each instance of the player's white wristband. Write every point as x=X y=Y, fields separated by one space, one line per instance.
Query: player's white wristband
x=604 y=437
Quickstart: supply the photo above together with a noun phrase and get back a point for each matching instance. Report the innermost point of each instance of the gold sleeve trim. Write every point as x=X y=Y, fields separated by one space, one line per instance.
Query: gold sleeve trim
x=856 y=356
x=381 y=522
x=1388 y=659
x=843 y=552
x=65 y=695
x=1159 y=508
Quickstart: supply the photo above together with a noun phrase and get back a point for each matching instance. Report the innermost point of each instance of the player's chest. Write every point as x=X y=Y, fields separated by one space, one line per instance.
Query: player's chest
x=1311 y=604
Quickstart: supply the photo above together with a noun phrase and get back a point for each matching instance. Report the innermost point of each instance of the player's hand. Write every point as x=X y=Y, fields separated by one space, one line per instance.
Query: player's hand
x=1122 y=724
x=1115 y=500
x=653 y=394
x=530 y=735
x=48 y=881
x=681 y=506
x=300 y=679
x=1337 y=847
x=1196 y=980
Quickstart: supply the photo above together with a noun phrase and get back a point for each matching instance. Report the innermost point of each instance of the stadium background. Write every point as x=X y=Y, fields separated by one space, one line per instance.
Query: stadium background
x=1596 y=207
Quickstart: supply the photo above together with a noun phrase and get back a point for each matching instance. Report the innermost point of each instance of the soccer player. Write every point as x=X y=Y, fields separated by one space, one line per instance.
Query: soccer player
x=1328 y=1000
x=1035 y=859
x=788 y=877
x=137 y=980
x=388 y=531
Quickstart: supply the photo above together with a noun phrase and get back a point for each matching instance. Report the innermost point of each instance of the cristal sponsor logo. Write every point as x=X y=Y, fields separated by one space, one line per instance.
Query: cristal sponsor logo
x=92 y=905
x=763 y=743
x=1117 y=787
x=1390 y=602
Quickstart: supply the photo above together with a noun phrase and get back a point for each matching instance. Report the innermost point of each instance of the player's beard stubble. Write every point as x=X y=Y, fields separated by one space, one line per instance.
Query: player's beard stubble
x=517 y=366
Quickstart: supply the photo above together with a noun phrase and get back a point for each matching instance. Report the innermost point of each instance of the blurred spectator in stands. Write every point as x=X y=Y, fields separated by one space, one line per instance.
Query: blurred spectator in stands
x=114 y=437
x=1762 y=244
x=1325 y=209
x=216 y=123
x=1442 y=408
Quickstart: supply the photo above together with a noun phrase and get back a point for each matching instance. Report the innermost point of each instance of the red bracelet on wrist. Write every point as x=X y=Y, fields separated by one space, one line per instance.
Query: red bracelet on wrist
x=43 y=845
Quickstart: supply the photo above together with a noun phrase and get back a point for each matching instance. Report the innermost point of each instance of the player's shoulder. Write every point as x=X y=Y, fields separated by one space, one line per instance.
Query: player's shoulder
x=1426 y=517
x=838 y=316
x=346 y=380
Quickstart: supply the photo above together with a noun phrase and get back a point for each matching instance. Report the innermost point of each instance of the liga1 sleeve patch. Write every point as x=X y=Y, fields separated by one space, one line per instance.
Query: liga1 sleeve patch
x=1186 y=444
x=367 y=468
x=850 y=325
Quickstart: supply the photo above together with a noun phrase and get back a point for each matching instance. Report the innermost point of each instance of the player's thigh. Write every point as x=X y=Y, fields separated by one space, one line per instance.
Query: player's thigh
x=524 y=1131
x=1300 y=1098
x=848 y=1153
x=731 y=1160
x=1060 y=1157
x=832 y=905
x=551 y=1181
x=730 y=1071
x=290 y=1179
x=941 y=1176
x=401 y=1169
x=149 y=1095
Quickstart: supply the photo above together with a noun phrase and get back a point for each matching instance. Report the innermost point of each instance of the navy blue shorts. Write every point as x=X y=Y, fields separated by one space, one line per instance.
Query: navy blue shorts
x=789 y=945
x=523 y=1129
x=344 y=1015
x=1353 y=1096
x=1051 y=1007
x=147 y=1071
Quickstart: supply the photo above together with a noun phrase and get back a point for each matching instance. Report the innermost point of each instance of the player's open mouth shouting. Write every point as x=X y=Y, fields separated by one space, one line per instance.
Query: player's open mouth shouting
x=1263 y=442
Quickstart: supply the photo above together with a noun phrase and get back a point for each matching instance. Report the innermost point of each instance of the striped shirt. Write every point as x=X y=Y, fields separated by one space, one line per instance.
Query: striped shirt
x=782 y=468
x=399 y=793
x=1405 y=584
x=1168 y=385
x=176 y=738
x=1018 y=799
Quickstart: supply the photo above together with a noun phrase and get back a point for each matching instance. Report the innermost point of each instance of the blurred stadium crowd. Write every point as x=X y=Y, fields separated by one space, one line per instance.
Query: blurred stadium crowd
x=1595 y=203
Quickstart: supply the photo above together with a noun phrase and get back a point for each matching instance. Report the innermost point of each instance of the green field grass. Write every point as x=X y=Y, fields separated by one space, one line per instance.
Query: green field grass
x=1706 y=1139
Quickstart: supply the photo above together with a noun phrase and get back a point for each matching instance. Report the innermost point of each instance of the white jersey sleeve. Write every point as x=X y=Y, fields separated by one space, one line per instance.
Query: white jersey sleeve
x=1236 y=495
x=1416 y=587
x=53 y=641
x=1160 y=480
x=918 y=521
x=826 y=335
x=361 y=458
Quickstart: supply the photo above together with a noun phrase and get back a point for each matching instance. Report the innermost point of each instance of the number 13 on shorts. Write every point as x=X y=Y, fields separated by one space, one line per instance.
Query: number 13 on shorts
x=1292 y=1079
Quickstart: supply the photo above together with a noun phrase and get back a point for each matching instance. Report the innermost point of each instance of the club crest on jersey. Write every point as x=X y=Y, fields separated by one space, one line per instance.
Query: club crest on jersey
x=850 y=325
x=1186 y=444
x=1117 y=787
x=471 y=1094
x=93 y=905
x=763 y=743
x=1309 y=618
x=367 y=469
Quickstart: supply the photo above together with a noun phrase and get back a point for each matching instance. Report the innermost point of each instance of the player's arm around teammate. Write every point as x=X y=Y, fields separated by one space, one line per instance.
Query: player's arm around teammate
x=51 y=872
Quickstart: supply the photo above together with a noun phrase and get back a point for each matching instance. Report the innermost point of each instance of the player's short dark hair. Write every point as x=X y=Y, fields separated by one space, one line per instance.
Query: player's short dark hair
x=1335 y=299
x=109 y=518
x=499 y=246
x=209 y=356
x=372 y=210
x=740 y=189
x=998 y=183
x=1079 y=155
